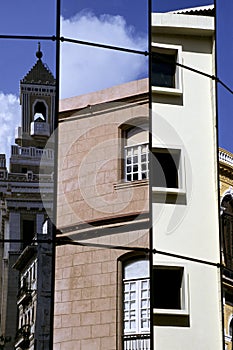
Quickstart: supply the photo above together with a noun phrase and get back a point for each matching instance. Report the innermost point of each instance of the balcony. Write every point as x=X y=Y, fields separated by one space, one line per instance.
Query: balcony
x=225 y=157
x=22 y=337
x=40 y=129
x=24 y=294
x=137 y=342
x=32 y=152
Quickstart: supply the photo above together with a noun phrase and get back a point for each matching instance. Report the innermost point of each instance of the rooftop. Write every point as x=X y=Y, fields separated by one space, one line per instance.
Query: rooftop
x=208 y=10
x=114 y=93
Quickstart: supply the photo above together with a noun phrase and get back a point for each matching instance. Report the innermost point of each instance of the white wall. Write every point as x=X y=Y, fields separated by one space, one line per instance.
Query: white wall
x=189 y=226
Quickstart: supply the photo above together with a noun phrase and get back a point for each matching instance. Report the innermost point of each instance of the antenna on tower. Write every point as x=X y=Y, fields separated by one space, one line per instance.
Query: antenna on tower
x=39 y=54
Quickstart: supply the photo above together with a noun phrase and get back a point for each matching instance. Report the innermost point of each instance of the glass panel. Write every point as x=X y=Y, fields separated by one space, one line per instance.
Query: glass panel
x=136 y=269
x=86 y=69
x=28 y=18
x=111 y=23
x=88 y=139
x=224 y=34
x=27 y=104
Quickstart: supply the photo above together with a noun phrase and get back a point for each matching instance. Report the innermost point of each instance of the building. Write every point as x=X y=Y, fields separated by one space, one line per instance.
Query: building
x=25 y=292
x=139 y=255
x=186 y=278
x=226 y=193
x=103 y=205
x=103 y=271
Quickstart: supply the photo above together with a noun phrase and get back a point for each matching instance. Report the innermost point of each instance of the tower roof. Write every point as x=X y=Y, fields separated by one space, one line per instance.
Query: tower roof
x=40 y=73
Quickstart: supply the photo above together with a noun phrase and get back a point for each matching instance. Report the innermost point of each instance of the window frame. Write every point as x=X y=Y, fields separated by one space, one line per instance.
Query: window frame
x=142 y=125
x=170 y=50
x=181 y=188
x=138 y=306
x=138 y=281
x=140 y=171
x=184 y=297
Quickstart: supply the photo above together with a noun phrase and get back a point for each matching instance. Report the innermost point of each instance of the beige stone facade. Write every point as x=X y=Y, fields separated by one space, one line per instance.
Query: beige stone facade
x=96 y=206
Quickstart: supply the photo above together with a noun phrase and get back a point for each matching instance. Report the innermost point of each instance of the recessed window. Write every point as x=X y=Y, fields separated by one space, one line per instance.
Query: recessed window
x=40 y=112
x=165 y=70
x=28 y=230
x=136 y=304
x=168 y=284
x=166 y=168
x=231 y=327
x=136 y=153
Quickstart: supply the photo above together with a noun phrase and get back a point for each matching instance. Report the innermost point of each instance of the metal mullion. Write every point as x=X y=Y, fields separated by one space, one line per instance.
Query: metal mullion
x=132 y=163
x=139 y=162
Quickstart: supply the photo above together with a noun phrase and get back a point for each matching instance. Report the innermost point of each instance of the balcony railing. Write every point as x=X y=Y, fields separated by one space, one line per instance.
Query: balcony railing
x=225 y=157
x=24 y=294
x=40 y=129
x=22 y=337
x=137 y=342
x=32 y=152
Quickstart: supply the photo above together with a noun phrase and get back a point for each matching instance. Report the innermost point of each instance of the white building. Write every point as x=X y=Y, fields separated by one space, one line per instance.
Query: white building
x=186 y=281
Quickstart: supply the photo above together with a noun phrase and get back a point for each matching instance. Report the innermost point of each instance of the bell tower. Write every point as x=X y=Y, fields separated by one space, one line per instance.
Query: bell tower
x=37 y=99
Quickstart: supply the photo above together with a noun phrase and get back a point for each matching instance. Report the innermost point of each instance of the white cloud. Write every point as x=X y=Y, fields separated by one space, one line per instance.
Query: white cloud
x=9 y=119
x=86 y=69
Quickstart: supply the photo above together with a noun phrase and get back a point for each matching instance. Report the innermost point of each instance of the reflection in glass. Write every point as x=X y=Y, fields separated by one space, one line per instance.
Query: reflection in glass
x=26 y=189
x=28 y=17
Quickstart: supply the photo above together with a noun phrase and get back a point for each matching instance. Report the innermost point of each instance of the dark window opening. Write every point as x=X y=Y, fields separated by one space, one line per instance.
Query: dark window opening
x=164 y=70
x=40 y=108
x=165 y=165
x=24 y=170
x=231 y=328
x=167 y=288
x=28 y=232
x=229 y=298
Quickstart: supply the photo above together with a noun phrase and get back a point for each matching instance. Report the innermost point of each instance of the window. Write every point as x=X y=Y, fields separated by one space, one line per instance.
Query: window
x=28 y=231
x=227 y=228
x=136 y=309
x=170 y=289
x=166 y=168
x=164 y=69
x=231 y=327
x=40 y=111
x=136 y=153
x=166 y=74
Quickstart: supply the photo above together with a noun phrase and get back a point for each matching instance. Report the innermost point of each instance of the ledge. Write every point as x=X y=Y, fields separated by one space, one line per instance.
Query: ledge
x=169 y=195
x=171 y=320
x=129 y=184
x=166 y=91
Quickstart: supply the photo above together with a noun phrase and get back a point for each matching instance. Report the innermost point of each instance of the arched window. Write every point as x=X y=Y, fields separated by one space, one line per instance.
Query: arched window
x=136 y=304
x=40 y=111
x=231 y=327
x=227 y=227
x=136 y=153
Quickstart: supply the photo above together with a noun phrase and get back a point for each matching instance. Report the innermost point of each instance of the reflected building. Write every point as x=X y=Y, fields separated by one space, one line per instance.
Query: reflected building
x=23 y=212
x=226 y=193
x=107 y=214
x=187 y=301
x=102 y=266
x=102 y=292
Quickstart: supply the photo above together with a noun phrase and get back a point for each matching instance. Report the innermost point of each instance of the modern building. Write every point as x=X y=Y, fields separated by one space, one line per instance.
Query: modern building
x=226 y=193
x=26 y=193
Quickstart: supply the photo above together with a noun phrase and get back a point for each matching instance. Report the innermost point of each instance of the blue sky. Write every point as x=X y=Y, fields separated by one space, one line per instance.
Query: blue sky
x=116 y=22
